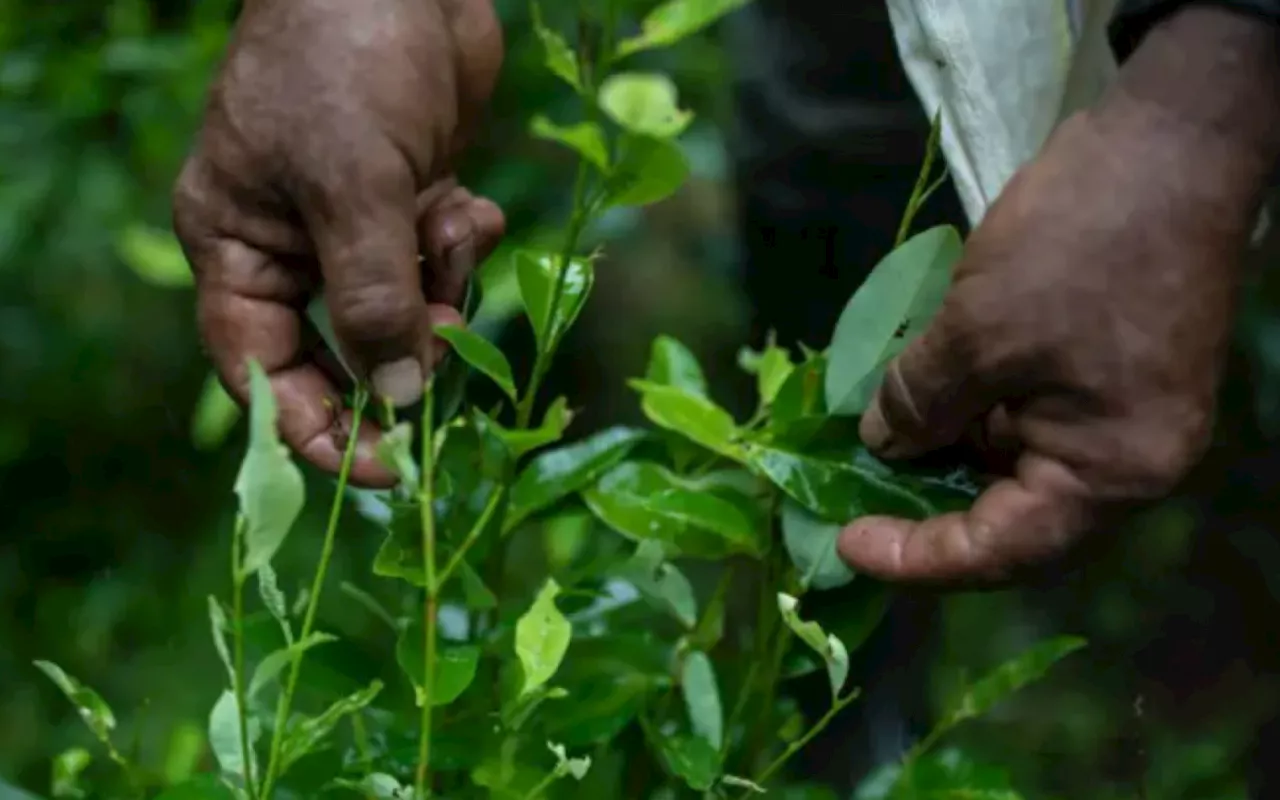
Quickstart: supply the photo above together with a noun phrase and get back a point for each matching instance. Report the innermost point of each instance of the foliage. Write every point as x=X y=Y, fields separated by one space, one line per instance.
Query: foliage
x=603 y=673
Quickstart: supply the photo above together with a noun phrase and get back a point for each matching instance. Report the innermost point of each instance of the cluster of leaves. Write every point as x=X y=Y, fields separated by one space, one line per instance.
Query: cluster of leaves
x=549 y=607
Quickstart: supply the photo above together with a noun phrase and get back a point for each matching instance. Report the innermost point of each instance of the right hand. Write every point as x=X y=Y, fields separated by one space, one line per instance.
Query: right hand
x=325 y=163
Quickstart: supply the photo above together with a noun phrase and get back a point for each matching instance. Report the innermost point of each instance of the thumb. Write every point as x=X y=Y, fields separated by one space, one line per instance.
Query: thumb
x=366 y=239
x=928 y=396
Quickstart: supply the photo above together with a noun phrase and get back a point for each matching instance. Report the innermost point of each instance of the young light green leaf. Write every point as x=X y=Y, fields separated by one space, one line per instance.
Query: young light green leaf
x=542 y=638
x=645 y=103
x=481 y=354
x=93 y=709
x=224 y=736
x=733 y=781
x=833 y=652
x=772 y=367
x=891 y=307
x=565 y=766
x=645 y=502
x=271 y=666
x=68 y=766
x=702 y=698
x=585 y=138
x=559 y=57
x=673 y=364
x=455 y=667
x=648 y=169
x=675 y=20
x=378 y=786
x=538 y=273
x=154 y=256
x=269 y=485
x=306 y=734
x=219 y=628
x=554 y=422
x=691 y=415
x=1029 y=666
x=662 y=583
x=214 y=416
x=395 y=451
x=275 y=601
x=556 y=474
x=692 y=759
x=811 y=544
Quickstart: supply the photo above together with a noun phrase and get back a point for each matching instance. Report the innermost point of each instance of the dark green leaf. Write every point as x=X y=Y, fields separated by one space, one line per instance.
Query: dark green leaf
x=647 y=170
x=201 y=787
x=893 y=305
x=560 y=58
x=1009 y=677
x=269 y=485
x=455 y=668
x=275 y=662
x=811 y=544
x=538 y=274
x=644 y=103
x=673 y=364
x=645 y=502
x=481 y=354
x=802 y=394
x=662 y=583
x=613 y=676
x=93 y=709
x=692 y=759
x=542 y=637
x=702 y=698
x=308 y=733
x=675 y=20
x=949 y=775
x=585 y=138
x=554 y=475
x=691 y=415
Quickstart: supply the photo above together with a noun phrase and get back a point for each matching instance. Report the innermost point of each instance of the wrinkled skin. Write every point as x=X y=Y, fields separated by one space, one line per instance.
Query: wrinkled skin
x=1083 y=337
x=325 y=164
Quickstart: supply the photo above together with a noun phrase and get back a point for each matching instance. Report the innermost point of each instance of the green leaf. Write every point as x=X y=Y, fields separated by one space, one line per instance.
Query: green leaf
x=93 y=709
x=455 y=668
x=734 y=782
x=219 y=628
x=200 y=787
x=645 y=502
x=215 y=415
x=271 y=666
x=831 y=649
x=801 y=394
x=542 y=638
x=481 y=354
x=224 y=736
x=772 y=367
x=308 y=733
x=554 y=423
x=811 y=544
x=154 y=256
x=891 y=307
x=565 y=766
x=68 y=766
x=949 y=775
x=538 y=273
x=673 y=364
x=702 y=698
x=274 y=600
x=835 y=491
x=476 y=594
x=183 y=753
x=556 y=474
x=1008 y=678
x=269 y=485
x=675 y=20
x=644 y=103
x=585 y=138
x=692 y=759
x=559 y=57
x=662 y=583
x=395 y=452
x=377 y=785
x=691 y=415
x=647 y=170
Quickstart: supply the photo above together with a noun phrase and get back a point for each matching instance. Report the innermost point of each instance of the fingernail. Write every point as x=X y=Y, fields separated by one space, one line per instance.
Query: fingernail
x=400 y=381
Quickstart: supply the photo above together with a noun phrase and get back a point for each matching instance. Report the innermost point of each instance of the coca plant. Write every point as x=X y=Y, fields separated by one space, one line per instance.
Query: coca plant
x=550 y=643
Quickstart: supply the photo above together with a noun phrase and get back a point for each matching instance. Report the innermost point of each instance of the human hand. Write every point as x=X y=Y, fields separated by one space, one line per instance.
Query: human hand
x=325 y=163
x=1082 y=340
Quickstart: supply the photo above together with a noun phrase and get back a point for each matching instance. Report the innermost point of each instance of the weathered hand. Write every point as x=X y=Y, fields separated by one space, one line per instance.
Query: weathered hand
x=1083 y=336
x=325 y=163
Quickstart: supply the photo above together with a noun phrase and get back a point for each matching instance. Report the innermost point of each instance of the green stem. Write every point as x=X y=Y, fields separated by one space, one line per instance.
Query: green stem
x=317 y=587
x=794 y=747
x=472 y=537
x=921 y=191
x=237 y=644
x=542 y=786
x=425 y=499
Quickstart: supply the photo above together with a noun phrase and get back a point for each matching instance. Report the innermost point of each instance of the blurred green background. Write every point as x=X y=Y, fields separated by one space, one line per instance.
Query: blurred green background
x=115 y=474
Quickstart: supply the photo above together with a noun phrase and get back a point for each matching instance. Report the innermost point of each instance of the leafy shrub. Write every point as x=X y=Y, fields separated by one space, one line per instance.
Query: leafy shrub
x=551 y=643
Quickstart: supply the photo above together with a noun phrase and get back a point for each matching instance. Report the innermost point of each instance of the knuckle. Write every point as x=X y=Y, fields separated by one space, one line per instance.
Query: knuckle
x=373 y=311
x=1164 y=456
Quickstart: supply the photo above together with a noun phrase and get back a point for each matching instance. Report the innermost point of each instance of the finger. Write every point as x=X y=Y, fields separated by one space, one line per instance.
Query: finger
x=364 y=228
x=457 y=234
x=250 y=309
x=929 y=395
x=1016 y=523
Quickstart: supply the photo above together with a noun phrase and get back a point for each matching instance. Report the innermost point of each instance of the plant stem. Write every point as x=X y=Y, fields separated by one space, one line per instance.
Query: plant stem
x=921 y=191
x=472 y=537
x=237 y=643
x=317 y=587
x=425 y=500
x=794 y=747
x=542 y=786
